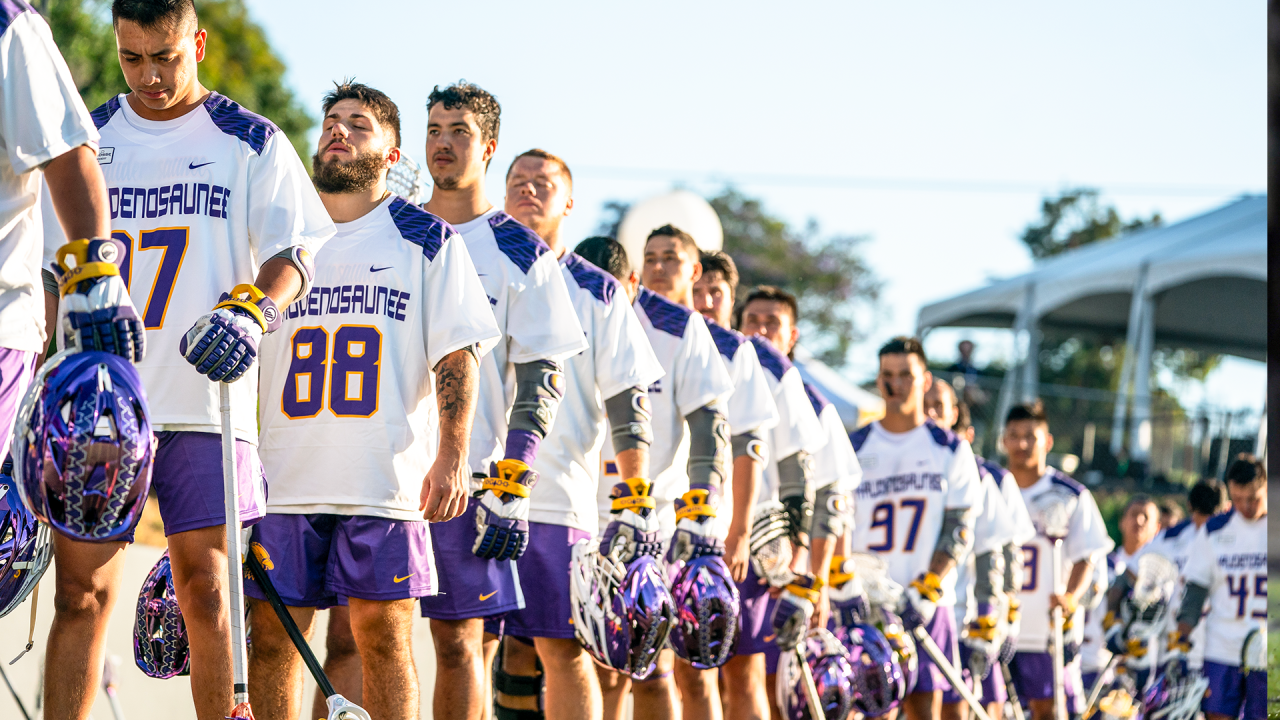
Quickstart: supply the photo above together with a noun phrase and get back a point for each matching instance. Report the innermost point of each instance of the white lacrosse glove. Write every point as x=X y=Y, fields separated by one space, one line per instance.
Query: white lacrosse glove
x=96 y=312
x=502 y=517
x=795 y=609
x=634 y=529
x=223 y=344
x=983 y=637
x=696 y=525
x=920 y=600
x=846 y=594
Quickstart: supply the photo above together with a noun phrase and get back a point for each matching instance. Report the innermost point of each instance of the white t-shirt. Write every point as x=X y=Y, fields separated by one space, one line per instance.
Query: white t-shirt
x=798 y=428
x=835 y=462
x=1229 y=556
x=201 y=202
x=695 y=377
x=1174 y=544
x=619 y=358
x=531 y=304
x=909 y=481
x=348 y=412
x=995 y=526
x=1087 y=537
x=41 y=118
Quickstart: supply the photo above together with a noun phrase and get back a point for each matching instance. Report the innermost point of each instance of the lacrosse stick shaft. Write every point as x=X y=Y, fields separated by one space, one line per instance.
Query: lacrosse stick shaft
x=259 y=574
x=810 y=688
x=1096 y=690
x=14 y=693
x=949 y=671
x=109 y=687
x=1058 y=652
x=1010 y=689
x=235 y=572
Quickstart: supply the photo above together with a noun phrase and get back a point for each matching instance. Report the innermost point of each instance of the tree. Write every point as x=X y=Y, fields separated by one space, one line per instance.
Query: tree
x=238 y=63
x=1076 y=218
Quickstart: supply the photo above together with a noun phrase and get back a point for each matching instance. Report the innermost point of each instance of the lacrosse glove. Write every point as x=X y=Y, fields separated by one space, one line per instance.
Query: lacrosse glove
x=502 y=517
x=695 y=525
x=223 y=344
x=634 y=530
x=96 y=312
x=920 y=601
x=982 y=637
x=795 y=609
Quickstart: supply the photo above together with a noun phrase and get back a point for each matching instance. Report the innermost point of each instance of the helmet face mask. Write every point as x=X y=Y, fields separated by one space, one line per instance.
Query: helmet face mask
x=833 y=673
x=879 y=680
x=26 y=547
x=622 y=615
x=707 y=602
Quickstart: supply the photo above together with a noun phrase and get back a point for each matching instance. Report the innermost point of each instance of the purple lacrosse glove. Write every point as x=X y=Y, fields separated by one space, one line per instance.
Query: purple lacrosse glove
x=96 y=312
x=795 y=609
x=634 y=530
x=223 y=344
x=502 y=517
x=696 y=525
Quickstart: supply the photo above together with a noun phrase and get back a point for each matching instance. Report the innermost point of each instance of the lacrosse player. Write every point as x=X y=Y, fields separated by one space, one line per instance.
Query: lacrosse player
x=1227 y=566
x=980 y=577
x=1138 y=526
x=1027 y=441
x=520 y=387
x=606 y=384
x=752 y=414
x=691 y=439
x=395 y=319
x=217 y=222
x=915 y=508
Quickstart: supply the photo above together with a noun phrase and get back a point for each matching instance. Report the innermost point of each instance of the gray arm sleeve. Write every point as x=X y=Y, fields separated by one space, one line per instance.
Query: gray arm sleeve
x=957 y=533
x=629 y=419
x=708 y=447
x=794 y=477
x=988 y=576
x=50 y=282
x=830 y=512
x=1119 y=589
x=749 y=443
x=539 y=387
x=1013 y=578
x=1193 y=604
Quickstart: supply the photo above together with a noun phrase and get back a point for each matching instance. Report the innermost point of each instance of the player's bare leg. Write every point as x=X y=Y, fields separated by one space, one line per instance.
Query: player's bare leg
x=614 y=688
x=275 y=667
x=519 y=660
x=1042 y=709
x=199 y=561
x=770 y=688
x=572 y=688
x=490 y=644
x=699 y=692
x=384 y=633
x=341 y=662
x=744 y=688
x=655 y=698
x=460 y=691
x=955 y=711
x=87 y=577
x=923 y=705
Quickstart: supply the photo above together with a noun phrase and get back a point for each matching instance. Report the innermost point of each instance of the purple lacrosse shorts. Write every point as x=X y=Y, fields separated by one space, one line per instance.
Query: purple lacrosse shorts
x=1230 y=691
x=942 y=628
x=755 y=616
x=548 y=610
x=993 y=690
x=469 y=587
x=187 y=479
x=314 y=559
x=16 y=369
x=1033 y=678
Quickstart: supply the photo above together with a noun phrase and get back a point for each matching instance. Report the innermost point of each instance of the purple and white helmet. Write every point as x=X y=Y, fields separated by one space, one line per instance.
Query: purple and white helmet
x=159 y=635
x=879 y=682
x=621 y=621
x=707 y=605
x=832 y=677
x=82 y=446
x=25 y=545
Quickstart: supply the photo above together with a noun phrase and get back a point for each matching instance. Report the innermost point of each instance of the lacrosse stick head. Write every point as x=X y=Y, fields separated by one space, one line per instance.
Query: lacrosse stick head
x=832 y=677
x=771 y=544
x=872 y=571
x=160 y=646
x=1157 y=577
x=1253 y=654
x=1051 y=511
x=26 y=545
x=83 y=446
x=879 y=682
x=341 y=708
x=1175 y=698
x=405 y=179
x=706 y=604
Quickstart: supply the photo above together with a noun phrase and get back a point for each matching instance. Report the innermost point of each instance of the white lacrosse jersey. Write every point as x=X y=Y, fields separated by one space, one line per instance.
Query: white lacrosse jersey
x=1174 y=544
x=909 y=480
x=41 y=118
x=750 y=407
x=200 y=203
x=1086 y=538
x=695 y=376
x=1094 y=655
x=994 y=526
x=1229 y=556
x=836 y=462
x=798 y=428
x=531 y=304
x=348 y=412
x=619 y=358
x=1024 y=529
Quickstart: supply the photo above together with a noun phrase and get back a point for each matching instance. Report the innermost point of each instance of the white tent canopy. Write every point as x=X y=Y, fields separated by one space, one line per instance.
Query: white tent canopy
x=856 y=406
x=1198 y=284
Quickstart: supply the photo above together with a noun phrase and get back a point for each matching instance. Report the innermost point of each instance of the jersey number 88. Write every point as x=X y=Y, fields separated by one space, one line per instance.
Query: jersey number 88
x=352 y=370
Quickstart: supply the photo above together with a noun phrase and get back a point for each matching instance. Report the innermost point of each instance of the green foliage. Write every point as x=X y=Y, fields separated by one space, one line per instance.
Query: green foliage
x=828 y=276
x=239 y=62
x=1076 y=218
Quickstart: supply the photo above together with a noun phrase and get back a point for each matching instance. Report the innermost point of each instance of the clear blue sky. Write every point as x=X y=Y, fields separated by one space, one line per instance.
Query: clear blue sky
x=937 y=126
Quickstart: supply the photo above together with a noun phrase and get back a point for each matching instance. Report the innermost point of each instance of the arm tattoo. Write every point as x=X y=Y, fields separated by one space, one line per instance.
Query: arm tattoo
x=456 y=384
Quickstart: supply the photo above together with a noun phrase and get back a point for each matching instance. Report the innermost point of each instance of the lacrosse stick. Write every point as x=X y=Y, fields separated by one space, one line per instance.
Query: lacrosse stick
x=339 y=707
x=1096 y=691
x=14 y=693
x=235 y=571
x=405 y=179
x=1014 y=703
x=924 y=640
x=1054 y=509
x=810 y=688
x=109 y=686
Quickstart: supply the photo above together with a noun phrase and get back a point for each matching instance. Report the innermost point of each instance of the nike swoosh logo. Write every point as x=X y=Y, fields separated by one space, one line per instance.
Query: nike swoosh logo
x=486 y=597
x=770 y=638
x=401 y=579
x=193 y=166
x=373 y=269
